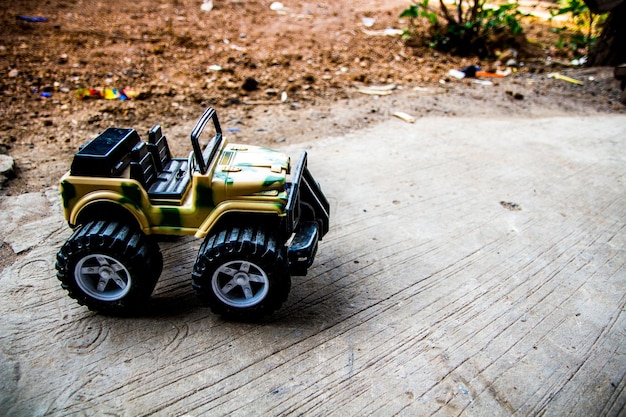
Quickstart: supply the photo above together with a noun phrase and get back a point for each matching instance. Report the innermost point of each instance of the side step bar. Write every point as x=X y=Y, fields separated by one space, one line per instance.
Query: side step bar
x=303 y=248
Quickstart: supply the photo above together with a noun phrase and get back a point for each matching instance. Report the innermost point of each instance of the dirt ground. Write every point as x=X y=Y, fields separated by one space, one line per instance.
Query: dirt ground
x=275 y=76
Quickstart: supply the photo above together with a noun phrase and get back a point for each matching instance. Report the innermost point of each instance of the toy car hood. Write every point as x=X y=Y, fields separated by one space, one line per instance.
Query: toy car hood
x=247 y=170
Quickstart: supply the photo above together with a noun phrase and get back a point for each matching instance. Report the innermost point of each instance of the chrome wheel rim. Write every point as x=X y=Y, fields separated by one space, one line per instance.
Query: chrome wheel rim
x=240 y=284
x=102 y=277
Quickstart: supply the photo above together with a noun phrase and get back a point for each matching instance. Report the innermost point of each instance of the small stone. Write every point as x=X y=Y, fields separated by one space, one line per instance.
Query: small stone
x=516 y=96
x=250 y=84
x=510 y=206
x=277 y=6
x=7 y=166
x=13 y=73
x=94 y=118
x=207 y=5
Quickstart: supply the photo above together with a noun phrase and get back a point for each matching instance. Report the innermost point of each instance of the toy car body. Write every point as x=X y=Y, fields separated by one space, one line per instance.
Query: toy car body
x=260 y=217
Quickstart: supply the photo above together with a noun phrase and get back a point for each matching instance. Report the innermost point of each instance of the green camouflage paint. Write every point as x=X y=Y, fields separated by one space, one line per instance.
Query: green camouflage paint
x=68 y=192
x=272 y=179
x=171 y=217
x=204 y=196
x=132 y=194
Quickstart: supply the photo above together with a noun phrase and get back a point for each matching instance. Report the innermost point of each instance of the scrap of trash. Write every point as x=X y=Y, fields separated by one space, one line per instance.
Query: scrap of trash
x=383 y=32
x=473 y=71
x=561 y=77
x=107 y=93
x=280 y=9
x=376 y=90
x=32 y=19
x=404 y=117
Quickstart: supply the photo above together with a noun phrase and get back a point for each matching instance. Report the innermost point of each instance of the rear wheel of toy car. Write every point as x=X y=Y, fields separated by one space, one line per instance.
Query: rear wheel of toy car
x=109 y=267
x=241 y=273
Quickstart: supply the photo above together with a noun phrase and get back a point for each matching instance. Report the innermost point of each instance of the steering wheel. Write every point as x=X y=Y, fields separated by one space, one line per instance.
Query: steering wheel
x=192 y=164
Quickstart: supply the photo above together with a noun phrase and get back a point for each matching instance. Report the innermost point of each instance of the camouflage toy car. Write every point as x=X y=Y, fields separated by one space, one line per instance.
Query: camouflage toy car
x=260 y=217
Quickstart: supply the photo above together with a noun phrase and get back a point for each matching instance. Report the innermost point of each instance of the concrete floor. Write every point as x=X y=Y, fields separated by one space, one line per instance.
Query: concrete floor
x=473 y=267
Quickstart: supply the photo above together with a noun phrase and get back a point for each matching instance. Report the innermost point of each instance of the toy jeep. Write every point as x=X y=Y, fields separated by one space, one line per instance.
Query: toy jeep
x=260 y=217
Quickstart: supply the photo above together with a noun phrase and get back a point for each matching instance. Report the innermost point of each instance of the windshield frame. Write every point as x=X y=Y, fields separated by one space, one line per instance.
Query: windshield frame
x=205 y=157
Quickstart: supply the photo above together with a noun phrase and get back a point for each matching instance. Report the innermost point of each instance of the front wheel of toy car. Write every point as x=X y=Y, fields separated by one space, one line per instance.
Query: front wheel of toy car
x=241 y=273
x=109 y=267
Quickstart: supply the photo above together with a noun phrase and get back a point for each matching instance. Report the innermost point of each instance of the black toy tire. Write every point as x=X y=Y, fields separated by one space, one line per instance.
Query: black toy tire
x=109 y=267
x=242 y=273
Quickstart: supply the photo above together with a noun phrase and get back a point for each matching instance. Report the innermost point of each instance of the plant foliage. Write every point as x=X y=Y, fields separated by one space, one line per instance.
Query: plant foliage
x=587 y=26
x=466 y=27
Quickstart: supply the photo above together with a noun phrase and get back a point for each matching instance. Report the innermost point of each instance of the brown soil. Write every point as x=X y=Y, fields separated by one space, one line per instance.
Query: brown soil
x=315 y=52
